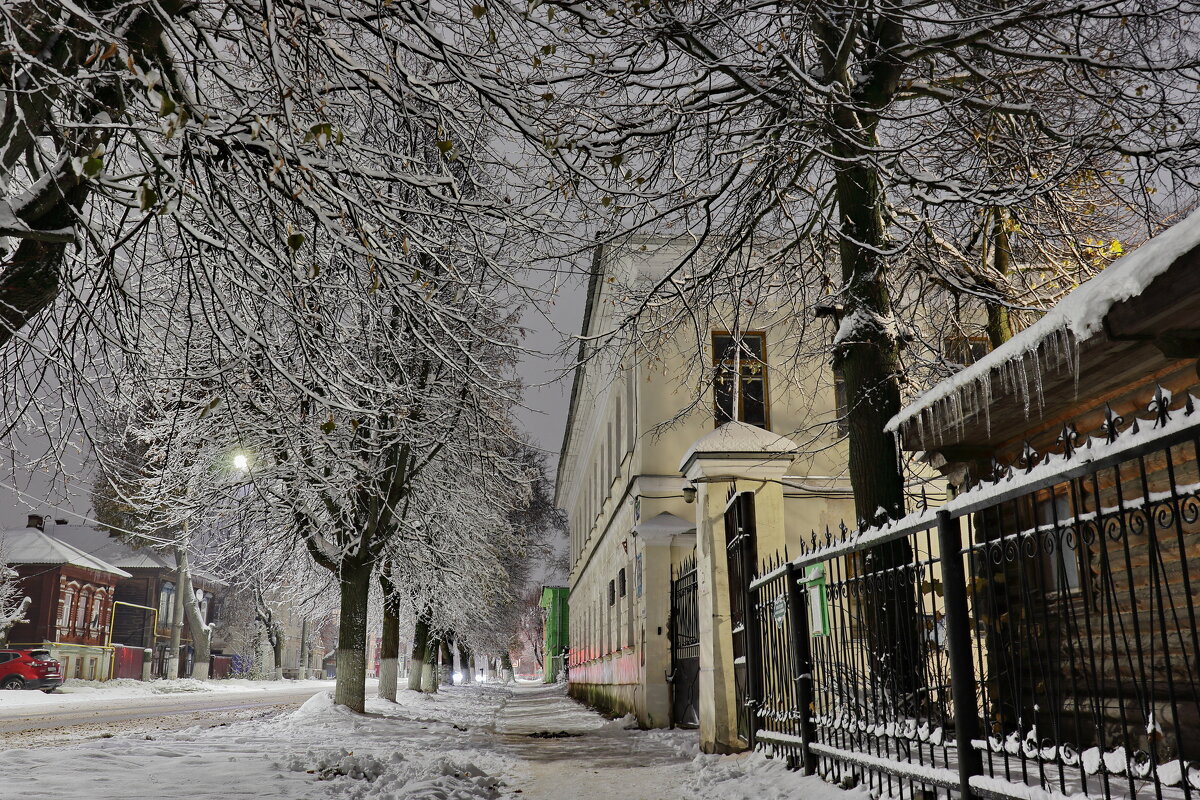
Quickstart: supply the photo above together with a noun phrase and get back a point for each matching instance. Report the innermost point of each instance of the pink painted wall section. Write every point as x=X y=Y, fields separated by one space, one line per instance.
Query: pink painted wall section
x=620 y=668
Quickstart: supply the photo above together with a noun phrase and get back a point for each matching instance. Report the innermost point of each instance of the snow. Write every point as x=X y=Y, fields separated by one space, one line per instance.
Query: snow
x=1079 y=315
x=76 y=693
x=859 y=323
x=738 y=437
x=464 y=743
x=1046 y=473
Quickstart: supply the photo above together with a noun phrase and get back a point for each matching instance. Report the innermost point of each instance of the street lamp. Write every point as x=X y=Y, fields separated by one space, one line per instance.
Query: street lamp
x=240 y=462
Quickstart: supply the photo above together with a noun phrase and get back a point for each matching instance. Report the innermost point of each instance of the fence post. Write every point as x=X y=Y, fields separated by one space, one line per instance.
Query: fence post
x=754 y=659
x=802 y=662
x=958 y=639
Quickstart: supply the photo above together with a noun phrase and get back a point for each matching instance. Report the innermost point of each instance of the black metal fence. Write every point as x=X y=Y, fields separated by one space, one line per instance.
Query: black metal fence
x=684 y=633
x=1038 y=630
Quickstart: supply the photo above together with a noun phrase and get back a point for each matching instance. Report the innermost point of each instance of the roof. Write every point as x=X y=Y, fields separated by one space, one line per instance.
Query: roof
x=739 y=438
x=31 y=546
x=1065 y=340
x=593 y=290
x=101 y=545
x=548 y=593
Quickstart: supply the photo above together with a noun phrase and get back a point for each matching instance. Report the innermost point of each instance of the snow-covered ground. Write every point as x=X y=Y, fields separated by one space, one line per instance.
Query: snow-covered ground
x=77 y=693
x=464 y=743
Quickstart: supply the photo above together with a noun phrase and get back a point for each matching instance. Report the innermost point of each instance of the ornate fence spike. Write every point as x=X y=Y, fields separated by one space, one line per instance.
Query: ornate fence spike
x=1067 y=439
x=1160 y=406
x=1111 y=428
x=1029 y=457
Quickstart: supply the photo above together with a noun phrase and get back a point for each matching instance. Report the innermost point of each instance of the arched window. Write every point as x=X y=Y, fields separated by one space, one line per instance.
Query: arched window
x=68 y=598
x=166 y=604
x=81 y=609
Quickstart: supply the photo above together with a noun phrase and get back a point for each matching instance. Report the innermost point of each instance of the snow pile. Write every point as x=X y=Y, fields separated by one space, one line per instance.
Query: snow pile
x=1080 y=315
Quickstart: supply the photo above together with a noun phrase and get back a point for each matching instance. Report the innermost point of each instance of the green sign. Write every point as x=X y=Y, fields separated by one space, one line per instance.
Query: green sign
x=818 y=601
x=779 y=609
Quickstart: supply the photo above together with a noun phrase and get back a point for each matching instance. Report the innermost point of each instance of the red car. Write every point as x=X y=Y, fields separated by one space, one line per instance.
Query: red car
x=29 y=669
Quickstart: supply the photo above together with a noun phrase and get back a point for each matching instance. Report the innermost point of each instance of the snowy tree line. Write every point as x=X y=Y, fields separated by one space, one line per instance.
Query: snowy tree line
x=301 y=233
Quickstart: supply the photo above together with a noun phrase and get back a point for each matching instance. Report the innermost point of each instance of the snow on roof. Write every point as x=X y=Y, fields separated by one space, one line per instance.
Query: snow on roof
x=31 y=546
x=665 y=523
x=1081 y=313
x=114 y=551
x=739 y=437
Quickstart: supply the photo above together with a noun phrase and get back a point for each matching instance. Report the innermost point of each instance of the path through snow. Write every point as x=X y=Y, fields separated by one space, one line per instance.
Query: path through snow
x=465 y=743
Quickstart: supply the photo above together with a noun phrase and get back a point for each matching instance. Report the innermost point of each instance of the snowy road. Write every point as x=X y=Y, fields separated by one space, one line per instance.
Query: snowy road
x=464 y=743
x=38 y=725
x=88 y=710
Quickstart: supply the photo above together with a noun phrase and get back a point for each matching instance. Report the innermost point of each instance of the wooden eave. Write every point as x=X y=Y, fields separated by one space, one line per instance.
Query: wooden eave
x=1150 y=339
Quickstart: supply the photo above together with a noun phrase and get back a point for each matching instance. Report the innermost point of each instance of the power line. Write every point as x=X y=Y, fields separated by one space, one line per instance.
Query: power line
x=85 y=518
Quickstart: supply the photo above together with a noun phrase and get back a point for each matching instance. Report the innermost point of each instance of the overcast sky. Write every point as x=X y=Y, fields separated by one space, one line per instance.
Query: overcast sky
x=544 y=371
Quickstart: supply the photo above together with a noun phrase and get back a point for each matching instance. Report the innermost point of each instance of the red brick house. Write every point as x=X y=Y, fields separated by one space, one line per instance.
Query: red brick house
x=72 y=595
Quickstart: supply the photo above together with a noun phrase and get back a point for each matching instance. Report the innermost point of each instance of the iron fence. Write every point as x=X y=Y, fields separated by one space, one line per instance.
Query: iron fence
x=1039 y=630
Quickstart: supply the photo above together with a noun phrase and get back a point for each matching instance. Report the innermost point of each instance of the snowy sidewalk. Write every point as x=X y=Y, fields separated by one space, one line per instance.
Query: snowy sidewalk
x=464 y=743
x=596 y=760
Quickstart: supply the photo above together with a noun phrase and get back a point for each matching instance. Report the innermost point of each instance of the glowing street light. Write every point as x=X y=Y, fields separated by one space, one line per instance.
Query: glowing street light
x=240 y=462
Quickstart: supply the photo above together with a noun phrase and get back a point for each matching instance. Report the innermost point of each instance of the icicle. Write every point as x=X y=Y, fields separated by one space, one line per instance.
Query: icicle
x=1037 y=380
x=1023 y=384
x=1073 y=348
x=986 y=386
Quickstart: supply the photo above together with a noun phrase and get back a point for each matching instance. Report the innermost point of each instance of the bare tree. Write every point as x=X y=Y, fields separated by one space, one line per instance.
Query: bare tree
x=13 y=602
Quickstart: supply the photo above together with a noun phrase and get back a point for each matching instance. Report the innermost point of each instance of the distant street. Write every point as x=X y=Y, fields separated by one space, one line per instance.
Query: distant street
x=48 y=724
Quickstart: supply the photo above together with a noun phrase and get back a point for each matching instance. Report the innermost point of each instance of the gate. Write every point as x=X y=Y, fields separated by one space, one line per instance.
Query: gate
x=740 y=548
x=684 y=632
x=127 y=662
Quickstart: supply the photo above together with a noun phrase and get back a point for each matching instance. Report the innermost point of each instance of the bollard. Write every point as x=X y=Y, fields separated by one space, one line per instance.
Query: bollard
x=147 y=657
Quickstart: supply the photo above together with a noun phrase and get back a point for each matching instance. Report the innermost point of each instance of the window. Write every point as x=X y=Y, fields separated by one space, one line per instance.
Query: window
x=1061 y=567
x=64 y=620
x=740 y=384
x=166 y=604
x=7 y=657
x=81 y=610
x=966 y=350
x=612 y=593
x=621 y=582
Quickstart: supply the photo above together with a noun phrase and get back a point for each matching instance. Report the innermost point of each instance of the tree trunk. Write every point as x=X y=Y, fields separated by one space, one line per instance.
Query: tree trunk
x=350 y=689
x=446 y=668
x=429 y=670
x=389 y=649
x=416 y=664
x=465 y=665
x=999 y=325
x=869 y=362
x=277 y=643
x=302 y=651
x=200 y=630
x=171 y=668
x=507 y=666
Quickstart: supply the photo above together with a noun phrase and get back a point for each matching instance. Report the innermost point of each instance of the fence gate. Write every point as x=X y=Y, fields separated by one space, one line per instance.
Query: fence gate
x=740 y=548
x=684 y=632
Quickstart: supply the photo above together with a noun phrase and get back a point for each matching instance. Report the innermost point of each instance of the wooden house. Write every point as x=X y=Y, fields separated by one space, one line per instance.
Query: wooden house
x=1085 y=590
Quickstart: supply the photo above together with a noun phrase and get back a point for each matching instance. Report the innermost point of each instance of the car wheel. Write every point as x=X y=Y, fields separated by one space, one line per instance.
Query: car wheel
x=12 y=682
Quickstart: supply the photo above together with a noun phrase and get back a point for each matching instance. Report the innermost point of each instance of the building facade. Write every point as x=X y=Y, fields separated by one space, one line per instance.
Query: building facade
x=555 y=626
x=72 y=593
x=635 y=412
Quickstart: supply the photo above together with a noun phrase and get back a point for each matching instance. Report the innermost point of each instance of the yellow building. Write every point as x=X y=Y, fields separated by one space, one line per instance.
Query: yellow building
x=636 y=411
